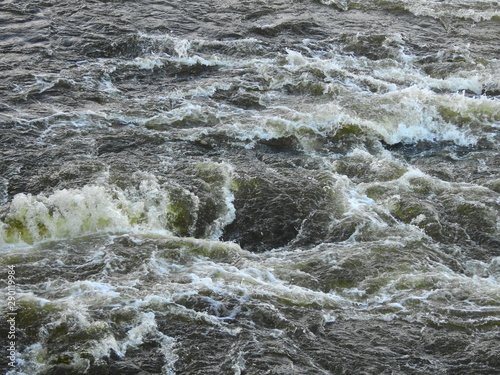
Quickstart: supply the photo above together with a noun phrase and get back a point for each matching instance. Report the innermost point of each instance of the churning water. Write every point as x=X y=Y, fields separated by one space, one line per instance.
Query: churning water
x=251 y=187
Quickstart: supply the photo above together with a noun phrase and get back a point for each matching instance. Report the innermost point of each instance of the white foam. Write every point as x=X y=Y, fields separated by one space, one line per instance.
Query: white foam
x=342 y=4
x=229 y=215
x=72 y=212
x=66 y=213
x=239 y=365
x=466 y=9
x=147 y=63
x=182 y=47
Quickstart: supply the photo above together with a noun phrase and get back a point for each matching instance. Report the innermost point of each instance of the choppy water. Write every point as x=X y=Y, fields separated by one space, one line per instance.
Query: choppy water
x=251 y=187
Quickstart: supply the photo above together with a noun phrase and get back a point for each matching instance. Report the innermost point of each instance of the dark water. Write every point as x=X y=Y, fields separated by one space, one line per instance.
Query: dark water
x=251 y=187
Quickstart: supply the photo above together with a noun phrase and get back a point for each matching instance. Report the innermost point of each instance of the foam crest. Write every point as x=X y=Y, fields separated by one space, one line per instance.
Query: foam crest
x=465 y=9
x=229 y=213
x=150 y=206
x=66 y=213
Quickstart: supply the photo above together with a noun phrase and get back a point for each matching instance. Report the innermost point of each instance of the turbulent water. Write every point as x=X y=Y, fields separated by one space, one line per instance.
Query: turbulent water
x=250 y=187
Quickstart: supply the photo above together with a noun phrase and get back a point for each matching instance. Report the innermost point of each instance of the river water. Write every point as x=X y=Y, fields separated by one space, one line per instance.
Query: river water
x=251 y=187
